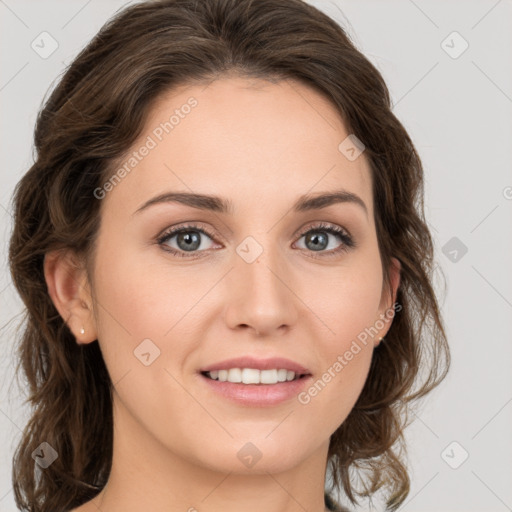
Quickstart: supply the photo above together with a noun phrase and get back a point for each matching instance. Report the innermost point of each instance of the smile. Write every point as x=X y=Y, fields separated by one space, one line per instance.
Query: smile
x=252 y=376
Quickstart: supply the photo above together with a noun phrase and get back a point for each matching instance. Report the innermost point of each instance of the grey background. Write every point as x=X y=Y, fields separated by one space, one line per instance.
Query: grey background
x=458 y=112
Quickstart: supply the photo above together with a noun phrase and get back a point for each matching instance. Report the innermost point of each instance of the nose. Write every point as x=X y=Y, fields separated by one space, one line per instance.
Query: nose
x=260 y=295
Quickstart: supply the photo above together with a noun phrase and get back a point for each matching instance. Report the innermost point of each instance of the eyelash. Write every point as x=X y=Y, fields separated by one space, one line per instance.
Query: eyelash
x=347 y=240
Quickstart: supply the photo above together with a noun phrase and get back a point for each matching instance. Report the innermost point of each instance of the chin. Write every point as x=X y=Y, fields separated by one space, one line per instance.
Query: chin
x=259 y=456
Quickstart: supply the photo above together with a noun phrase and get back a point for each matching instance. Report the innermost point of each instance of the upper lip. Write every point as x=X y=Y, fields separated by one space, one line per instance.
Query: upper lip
x=278 y=363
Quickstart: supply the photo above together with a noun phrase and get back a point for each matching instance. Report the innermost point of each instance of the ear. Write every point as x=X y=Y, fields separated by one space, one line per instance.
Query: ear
x=388 y=299
x=69 y=289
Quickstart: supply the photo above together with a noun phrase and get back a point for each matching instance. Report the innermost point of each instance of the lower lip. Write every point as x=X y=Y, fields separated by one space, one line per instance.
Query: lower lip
x=258 y=395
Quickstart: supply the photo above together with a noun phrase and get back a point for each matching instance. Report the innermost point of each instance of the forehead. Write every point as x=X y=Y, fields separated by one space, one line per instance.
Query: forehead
x=241 y=138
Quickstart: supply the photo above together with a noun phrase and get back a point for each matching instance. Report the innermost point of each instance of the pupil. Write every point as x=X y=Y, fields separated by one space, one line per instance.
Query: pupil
x=188 y=238
x=314 y=238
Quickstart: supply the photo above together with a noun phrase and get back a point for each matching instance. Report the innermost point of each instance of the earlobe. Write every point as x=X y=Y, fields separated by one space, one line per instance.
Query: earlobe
x=67 y=284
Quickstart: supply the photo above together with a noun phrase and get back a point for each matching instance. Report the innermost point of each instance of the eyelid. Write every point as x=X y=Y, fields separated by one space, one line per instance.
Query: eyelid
x=320 y=225
x=187 y=225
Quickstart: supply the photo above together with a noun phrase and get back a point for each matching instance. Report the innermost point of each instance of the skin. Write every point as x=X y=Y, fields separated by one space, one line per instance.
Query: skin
x=261 y=145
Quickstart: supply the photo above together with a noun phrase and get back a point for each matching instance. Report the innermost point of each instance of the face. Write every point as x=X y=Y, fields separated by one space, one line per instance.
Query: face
x=262 y=279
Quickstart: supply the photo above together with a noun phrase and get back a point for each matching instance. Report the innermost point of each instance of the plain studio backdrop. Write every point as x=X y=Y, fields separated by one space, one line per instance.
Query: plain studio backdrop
x=448 y=67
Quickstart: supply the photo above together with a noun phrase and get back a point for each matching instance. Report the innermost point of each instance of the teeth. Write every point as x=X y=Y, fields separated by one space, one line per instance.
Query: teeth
x=252 y=376
x=281 y=375
x=234 y=375
x=268 y=377
x=249 y=376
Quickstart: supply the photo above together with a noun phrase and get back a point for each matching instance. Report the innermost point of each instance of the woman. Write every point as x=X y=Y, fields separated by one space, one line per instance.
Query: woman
x=227 y=272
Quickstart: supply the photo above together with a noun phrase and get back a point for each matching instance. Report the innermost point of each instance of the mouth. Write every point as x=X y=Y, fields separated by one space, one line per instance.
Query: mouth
x=251 y=387
x=252 y=376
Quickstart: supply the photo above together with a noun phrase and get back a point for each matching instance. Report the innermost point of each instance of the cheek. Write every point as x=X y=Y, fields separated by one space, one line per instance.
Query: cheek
x=347 y=302
x=348 y=307
x=140 y=299
x=345 y=361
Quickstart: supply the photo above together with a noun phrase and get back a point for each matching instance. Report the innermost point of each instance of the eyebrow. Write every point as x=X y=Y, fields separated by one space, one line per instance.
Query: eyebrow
x=220 y=205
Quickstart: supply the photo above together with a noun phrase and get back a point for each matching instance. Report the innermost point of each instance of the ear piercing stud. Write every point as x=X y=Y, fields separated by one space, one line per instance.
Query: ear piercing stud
x=82 y=331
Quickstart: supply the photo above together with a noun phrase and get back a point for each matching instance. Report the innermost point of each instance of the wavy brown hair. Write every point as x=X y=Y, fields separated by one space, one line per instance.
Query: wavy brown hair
x=89 y=122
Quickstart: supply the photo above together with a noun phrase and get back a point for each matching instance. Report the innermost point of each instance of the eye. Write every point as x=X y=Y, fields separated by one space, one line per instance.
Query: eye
x=317 y=239
x=188 y=239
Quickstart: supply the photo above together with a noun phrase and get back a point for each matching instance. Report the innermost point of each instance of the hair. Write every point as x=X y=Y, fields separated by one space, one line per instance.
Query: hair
x=87 y=125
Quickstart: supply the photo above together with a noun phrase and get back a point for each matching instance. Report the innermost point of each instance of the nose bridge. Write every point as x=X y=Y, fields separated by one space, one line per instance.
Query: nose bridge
x=262 y=297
